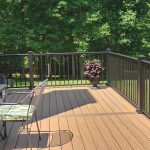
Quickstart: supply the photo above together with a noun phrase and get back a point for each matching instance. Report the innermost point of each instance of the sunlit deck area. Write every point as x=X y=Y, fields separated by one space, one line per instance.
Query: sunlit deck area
x=79 y=118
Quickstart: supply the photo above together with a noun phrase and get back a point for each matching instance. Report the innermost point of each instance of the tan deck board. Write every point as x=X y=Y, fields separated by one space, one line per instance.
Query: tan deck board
x=108 y=107
x=134 y=129
x=77 y=141
x=138 y=117
x=120 y=99
x=85 y=134
x=54 y=122
x=80 y=108
x=63 y=122
x=45 y=134
x=96 y=135
x=139 y=120
x=53 y=104
x=46 y=103
x=118 y=136
x=115 y=101
x=115 y=108
x=54 y=127
x=98 y=119
x=91 y=128
x=140 y=136
x=129 y=136
x=107 y=125
x=45 y=122
x=111 y=133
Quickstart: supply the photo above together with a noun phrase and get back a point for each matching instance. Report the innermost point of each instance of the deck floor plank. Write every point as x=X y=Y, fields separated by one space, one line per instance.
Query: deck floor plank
x=126 y=132
x=115 y=133
x=115 y=137
x=97 y=119
x=45 y=122
x=54 y=122
x=54 y=128
x=134 y=123
x=141 y=137
x=63 y=122
x=76 y=101
x=77 y=141
x=138 y=117
x=96 y=135
x=111 y=104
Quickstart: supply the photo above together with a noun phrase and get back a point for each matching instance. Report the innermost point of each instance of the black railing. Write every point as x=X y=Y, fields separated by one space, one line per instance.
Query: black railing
x=65 y=68
x=123 y=75
x=60 y=68
x=129 y=76
x=146 y=87
x=15 y=69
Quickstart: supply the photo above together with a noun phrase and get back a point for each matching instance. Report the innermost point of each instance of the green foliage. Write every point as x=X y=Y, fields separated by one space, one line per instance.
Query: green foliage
x=69 y=25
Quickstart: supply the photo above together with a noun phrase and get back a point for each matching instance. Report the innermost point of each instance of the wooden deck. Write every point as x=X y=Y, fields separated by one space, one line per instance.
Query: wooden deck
x=79 y=118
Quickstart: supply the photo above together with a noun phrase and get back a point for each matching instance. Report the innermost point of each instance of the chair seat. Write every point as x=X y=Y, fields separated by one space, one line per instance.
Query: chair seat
x=16 y=112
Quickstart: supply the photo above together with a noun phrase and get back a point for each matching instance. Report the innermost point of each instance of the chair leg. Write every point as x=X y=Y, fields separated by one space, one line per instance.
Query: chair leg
x=5 y=130
x=0 y=94
x=28 y=132
x=38 y=127
x=3 y=136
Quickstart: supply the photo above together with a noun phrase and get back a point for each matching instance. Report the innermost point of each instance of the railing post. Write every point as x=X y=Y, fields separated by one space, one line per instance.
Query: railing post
x=108 y=50
x=30 y=55
x=140 y=84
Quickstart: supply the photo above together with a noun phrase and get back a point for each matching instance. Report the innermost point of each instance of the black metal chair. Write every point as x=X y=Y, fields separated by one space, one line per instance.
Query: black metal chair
x=23 y=110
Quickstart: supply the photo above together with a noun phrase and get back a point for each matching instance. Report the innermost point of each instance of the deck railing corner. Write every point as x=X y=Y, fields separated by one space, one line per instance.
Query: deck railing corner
x=140 y=84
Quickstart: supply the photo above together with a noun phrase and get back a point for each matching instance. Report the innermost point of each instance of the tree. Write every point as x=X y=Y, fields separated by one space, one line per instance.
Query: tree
x=68 y=25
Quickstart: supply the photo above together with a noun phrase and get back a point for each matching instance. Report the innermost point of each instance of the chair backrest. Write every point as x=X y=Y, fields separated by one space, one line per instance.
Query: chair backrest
x=37 y=94
x=32 y=99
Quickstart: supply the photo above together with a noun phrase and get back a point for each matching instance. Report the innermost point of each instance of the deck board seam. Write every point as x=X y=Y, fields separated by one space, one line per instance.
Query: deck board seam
x=86 y=121
x=111 y=118
x=124 y=124
x=97 y=127
x=129 y=109
x=58 y=119
x=66 y=119
x=107 y=127
x=125 y=116
x=76 y=121
x=83 y=118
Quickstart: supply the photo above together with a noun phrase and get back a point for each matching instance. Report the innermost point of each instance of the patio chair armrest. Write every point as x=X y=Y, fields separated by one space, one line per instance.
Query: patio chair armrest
x=9 y=103
x=18 y=93
x=9 y=93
